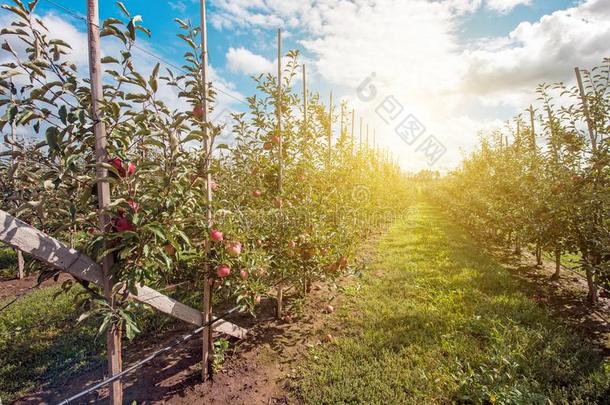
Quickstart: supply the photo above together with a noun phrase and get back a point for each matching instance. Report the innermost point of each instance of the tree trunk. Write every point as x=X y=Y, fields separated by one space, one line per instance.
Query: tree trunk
x=20 y=264
x=280 y=301
x=538 y=255
x=592 y=294
x=557 y=264
x=518 y=244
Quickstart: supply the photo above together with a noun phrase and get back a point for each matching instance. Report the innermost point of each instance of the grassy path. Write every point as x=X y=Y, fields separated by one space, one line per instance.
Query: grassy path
x=439 y=321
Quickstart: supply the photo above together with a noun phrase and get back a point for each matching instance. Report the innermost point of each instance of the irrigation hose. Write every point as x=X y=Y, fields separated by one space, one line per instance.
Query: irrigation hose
x=148 y=358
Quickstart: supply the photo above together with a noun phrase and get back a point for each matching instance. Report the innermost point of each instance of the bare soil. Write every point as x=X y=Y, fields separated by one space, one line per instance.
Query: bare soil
x=11 y=288
x=254 y=372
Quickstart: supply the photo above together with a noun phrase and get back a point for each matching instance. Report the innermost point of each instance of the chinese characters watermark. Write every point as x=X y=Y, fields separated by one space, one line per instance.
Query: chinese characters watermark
x=405 y=124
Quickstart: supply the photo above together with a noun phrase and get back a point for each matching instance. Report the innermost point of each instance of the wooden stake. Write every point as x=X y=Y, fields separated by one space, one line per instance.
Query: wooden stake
x=113 y=335
x=20 y=261
x=207 y=348
x=554 y=140
x=360 y=142
x=280 y=292
x=330 y=126
x=367 y=136
x=590 y=267
x=304 y=100
x=533 y=129
x=341 y=122
x=585 y=107
x=352 y=132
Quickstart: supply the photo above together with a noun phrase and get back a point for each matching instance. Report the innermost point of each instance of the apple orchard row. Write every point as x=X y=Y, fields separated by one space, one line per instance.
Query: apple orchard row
x=286 y=217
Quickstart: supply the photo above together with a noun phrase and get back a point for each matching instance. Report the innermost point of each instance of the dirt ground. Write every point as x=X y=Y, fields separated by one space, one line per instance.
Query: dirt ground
x=254 y=372
x=10 y=288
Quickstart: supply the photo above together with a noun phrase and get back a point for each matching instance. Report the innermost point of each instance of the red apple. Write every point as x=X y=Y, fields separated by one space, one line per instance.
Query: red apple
x=234 y=249
x=292 y=244
x=213 y=186
x=123 y=224
x=275 y=139
x=131 y=168
x=257 y=193
x=329 y=309
x=170 y=250
x=331 y=267
x=198 y=111
x=216 y=235
x=267 y=146
x=135 y=207
x=243 y=274
x=119 y=165
x=223 y=271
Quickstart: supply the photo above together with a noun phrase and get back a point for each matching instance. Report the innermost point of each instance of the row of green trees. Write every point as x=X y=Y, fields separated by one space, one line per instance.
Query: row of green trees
x=265 y=231
x=544 y=182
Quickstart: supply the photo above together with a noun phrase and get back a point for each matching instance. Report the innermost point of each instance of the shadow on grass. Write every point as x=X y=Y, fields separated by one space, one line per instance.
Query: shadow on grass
x=448 y=323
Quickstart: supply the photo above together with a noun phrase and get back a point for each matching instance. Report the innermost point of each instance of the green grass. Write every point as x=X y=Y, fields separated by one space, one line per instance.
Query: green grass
x=41 y=343
x=439 y=321
x=8 y=263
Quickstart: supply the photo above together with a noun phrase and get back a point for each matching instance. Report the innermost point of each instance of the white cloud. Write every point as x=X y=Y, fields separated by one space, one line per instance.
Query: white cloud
x=544 y=51
x=242 y=60
x=178 y=6
x=413 y=46
x=504 y=6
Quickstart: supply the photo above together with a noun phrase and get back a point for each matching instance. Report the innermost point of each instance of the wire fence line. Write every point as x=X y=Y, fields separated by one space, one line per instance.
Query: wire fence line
x=149 y=358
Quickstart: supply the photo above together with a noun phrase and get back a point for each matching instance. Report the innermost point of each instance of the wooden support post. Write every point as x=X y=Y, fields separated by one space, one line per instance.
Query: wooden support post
x=341 y=122
x=280 y=287
x=52 y=252
x=208 y=342
x=360 y=141
x=532 y=129
x=304 y=100
x=330 y=126
x=585 y=108
x=554 y=139
x=113 y=336
x=20 y=264
x=590 y=266
x=20 y=261
x=352 y=132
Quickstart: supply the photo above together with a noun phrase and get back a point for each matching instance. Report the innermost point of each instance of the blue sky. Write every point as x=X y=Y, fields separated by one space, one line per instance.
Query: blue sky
x=459 y=66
